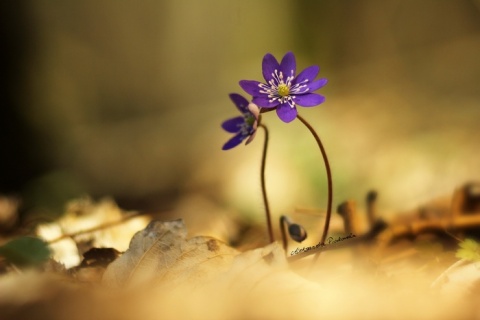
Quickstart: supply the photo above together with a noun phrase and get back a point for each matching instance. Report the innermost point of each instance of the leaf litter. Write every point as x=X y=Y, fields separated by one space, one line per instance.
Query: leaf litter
x=163 y=273
x=161 y=251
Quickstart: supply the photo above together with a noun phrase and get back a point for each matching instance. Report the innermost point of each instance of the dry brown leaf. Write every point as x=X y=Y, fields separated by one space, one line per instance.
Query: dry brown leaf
x=84 y=214
x=161 y=252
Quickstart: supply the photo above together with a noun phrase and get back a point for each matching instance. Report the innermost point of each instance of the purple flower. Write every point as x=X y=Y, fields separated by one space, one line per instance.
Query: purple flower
x=245 y=126
x=283 y=89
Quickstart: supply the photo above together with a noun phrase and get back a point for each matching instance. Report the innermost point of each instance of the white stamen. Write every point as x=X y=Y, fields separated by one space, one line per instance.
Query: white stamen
x=271 y=90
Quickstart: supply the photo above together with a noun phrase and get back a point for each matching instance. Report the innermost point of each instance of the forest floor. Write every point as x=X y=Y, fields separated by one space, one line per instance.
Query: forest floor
x=99 y=262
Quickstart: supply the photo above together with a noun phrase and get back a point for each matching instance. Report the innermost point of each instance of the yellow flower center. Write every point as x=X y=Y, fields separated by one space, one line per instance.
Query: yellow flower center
x=283 y=90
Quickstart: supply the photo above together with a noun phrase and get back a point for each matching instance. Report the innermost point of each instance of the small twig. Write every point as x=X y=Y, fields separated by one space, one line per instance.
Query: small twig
x=97 y=228
x=452 y=235
x=337 y=245
x=439 y=225
x=15 y=268
x=444 y=273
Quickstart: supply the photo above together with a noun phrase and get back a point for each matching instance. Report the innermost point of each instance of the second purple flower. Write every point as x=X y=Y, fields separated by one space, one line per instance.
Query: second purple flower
x=244 y=126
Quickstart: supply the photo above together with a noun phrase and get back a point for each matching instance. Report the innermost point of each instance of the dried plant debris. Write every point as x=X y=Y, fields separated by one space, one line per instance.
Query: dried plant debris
x=162 y=252
x=99 y=257
x=94 y=263
x=87 y=224
x=164 y=273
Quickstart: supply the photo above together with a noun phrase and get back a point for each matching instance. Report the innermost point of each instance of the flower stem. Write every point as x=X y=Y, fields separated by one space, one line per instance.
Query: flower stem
x=264 y=189
x=283 y=222
x=329 y=177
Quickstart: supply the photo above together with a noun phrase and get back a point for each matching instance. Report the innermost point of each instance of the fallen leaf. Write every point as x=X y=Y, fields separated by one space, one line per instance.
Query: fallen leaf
x=161 y=252
x=105 y=220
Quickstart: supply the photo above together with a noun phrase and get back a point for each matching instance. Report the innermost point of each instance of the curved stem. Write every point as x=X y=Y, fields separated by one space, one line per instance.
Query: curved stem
x=329 y=177
x=264 y=189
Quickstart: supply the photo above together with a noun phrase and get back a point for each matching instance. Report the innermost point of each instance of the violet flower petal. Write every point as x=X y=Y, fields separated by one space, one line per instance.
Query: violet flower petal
x=309 y=99
x=233 y=142
x=309 y=74
x=264 y=102
x=286 y=113
x=288 y=65
x=317 y=84
x=269 y=65
x=251 y=87
x=240 y=102
x=233 y=125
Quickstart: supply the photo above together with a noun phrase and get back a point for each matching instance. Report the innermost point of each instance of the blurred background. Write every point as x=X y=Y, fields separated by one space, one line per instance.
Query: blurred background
x=125 y=99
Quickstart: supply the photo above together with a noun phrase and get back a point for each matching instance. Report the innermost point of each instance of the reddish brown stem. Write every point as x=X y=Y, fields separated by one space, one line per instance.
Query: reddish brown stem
x=329 y=178
x=264 y=188
x=283 y=223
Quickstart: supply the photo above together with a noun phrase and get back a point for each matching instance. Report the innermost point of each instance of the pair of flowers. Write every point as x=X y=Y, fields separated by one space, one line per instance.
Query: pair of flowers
x=282 y=92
